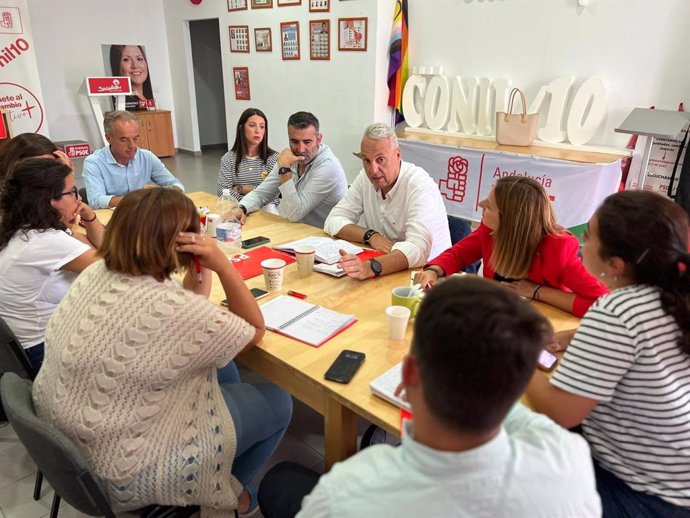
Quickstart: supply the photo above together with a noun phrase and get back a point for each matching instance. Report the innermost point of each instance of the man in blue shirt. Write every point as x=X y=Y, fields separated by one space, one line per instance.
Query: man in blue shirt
x=121 y=167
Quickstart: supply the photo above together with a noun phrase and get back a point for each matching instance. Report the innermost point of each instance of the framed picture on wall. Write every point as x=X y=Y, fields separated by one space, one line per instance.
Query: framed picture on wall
x=319 y=6
x=239 y=38
x=352 y=34
x=262 y=39
x=240 y=78
x=289 y=40
x=262 y=4
x=285 y=3
x=320 y=39
x=237 y=5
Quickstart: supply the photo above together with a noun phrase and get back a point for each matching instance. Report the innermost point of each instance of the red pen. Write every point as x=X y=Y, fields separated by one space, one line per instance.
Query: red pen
x=298 y=295
x=197 y=267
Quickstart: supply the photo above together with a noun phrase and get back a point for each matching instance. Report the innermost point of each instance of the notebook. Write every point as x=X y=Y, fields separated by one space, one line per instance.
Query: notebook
x=303 y=321
x=384 y=386
x=334 y=269
x=327 y=249
x=248 y=264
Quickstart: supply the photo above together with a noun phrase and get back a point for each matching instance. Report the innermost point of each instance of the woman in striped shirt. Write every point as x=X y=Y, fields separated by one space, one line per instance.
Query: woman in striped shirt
x=250 y=159
x=626 y=374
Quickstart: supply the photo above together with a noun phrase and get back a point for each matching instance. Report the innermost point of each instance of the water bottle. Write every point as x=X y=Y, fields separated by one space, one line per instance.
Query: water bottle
x=229 y=229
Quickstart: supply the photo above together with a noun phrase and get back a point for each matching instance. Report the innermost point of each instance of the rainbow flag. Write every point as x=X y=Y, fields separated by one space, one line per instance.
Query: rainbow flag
x=397 y=65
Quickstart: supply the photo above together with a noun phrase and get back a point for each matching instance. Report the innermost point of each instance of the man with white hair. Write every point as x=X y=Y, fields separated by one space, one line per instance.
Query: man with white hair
x=398 y=203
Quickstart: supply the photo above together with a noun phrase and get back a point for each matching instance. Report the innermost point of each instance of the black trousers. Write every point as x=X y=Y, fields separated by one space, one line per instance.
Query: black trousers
x=283 y=488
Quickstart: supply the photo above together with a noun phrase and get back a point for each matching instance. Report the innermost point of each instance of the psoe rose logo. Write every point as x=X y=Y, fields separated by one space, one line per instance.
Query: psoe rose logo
x=10 y=20
x=454 y=186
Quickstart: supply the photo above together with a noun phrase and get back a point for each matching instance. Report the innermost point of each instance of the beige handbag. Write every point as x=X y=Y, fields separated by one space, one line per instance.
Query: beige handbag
x=519 y=129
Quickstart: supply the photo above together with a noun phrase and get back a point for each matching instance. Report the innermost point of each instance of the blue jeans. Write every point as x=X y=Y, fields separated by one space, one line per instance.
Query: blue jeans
x=619 y=500
x=261 y=413
x=229 y=374
x=35 y=354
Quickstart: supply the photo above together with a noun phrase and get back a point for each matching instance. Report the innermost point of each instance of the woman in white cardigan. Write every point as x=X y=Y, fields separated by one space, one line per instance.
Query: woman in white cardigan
x=130 y=372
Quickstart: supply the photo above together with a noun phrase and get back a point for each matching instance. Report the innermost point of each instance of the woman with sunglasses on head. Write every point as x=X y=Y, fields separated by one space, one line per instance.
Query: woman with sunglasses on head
x=625 y=376
x=131 y=366
x=250 y=158
x=522 y=247
x=40 y=255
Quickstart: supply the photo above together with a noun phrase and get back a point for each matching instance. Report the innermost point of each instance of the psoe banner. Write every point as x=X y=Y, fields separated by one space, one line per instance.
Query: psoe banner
x=465 y=177
x=20 y=88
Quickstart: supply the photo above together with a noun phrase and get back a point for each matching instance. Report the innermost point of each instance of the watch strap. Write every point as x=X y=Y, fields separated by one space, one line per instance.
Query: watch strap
x=368 y=235
x=376 y=267
x=436 y=269
x=284 y=170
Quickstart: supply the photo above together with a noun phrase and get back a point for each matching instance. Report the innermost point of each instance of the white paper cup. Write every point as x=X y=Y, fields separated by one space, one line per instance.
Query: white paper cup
x=273 y=273
x=398 y=317
x=211 y=221
x=305 y=259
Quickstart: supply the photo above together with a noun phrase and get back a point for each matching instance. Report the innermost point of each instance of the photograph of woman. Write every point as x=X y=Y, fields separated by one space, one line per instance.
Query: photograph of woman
x=130 y=60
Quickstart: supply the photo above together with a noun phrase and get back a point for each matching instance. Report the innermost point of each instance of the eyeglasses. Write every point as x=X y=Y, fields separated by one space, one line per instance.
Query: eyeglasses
x=74 y=192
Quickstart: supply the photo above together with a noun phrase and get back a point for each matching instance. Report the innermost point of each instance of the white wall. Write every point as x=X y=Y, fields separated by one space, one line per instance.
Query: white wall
x=639 y=47
x=341 y=92
x=68 y=36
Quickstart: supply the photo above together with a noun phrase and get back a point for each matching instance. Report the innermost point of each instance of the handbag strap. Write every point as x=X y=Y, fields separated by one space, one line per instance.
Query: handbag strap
x=511 y=100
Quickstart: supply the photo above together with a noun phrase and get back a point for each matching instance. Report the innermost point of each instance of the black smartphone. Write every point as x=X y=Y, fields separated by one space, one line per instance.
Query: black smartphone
x=547 y=361
x=255 y=241
x=257 y=293
x=345 y=365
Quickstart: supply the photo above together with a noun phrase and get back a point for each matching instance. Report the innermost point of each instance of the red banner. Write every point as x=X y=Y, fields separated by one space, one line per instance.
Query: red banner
x=108 y=85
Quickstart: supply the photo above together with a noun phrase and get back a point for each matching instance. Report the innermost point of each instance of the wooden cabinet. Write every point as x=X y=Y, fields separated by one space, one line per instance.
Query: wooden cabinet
x=155 y=132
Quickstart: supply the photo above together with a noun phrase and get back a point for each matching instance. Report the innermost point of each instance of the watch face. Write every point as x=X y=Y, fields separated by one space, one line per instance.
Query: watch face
x=375 y=266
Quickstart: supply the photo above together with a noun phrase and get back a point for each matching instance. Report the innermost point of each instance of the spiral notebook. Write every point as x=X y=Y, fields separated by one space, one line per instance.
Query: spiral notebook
x=303 y=321
x=384 y=386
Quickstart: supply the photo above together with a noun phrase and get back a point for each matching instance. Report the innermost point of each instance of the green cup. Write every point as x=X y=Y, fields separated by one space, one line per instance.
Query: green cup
x=401 y=297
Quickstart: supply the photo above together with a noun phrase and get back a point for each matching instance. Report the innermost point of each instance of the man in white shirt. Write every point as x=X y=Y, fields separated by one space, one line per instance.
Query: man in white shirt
x=307 y=175
x=471 y=450
x=399 y=205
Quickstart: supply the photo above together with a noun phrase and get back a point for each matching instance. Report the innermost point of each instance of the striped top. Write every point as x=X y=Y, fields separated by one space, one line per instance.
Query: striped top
x=249 y=172
x=626 y=356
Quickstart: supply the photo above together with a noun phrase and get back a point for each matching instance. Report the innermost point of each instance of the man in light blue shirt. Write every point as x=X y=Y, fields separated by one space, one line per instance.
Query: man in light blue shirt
x=121 y=167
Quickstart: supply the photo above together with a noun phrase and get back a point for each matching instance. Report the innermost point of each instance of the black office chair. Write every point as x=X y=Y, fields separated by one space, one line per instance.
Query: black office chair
x=460 y=229
x=14 y=359
x=60 y=460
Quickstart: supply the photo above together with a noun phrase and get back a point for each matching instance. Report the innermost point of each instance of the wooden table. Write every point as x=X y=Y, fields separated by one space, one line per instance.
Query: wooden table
x=299 y=368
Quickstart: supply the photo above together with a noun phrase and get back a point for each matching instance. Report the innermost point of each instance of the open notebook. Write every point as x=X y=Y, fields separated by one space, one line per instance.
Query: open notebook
x=326 y=248
x=303 y=321
x=384 y=386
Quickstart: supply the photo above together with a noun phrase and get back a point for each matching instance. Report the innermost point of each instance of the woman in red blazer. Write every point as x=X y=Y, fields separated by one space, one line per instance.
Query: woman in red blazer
x=521 y=246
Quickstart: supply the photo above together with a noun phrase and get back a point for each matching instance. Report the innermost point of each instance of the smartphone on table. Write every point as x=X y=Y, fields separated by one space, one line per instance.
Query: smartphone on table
x=547 y=361
x=257 y=293
x=255 y=241
x=345 y=365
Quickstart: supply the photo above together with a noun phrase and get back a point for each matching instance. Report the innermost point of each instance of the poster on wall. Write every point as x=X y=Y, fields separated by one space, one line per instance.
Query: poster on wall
x=289 y=40
x=20 y=89
x=130 y=60
x=239 y=38
x=262 y=4
x=352 y=34
x=319 y=39
x=319 y=6
x=262 y=39
x=241 y=81
x=237 y=5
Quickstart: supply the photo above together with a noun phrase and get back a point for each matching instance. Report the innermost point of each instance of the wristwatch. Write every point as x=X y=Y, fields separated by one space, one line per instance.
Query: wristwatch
x=368 y=235
x=436 y=269
x=376 y=267
x=244 y=209
x=284 y=170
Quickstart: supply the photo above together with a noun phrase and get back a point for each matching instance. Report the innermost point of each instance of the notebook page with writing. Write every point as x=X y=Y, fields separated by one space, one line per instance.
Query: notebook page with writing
x=384 y=386
x=303 y=321
x=326 y=248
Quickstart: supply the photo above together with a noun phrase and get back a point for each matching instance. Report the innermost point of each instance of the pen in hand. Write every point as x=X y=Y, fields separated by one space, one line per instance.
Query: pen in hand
x=197 y=267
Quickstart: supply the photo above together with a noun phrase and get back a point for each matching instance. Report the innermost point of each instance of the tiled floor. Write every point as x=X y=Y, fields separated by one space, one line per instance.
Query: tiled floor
x=303 y=442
